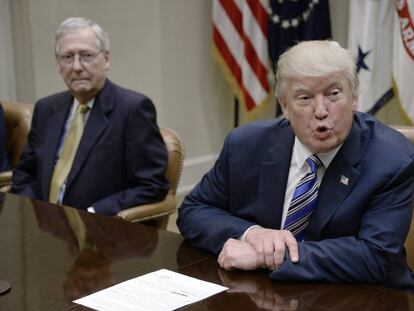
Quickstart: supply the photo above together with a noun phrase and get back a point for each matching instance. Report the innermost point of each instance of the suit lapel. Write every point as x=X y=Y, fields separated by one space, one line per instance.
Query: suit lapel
x=338 y=181
x=56 y=122
x=95 y=126
x=273 y=179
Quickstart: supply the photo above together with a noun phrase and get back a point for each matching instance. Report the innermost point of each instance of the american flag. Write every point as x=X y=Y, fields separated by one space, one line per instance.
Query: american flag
x=245 y=32
x=240 y=32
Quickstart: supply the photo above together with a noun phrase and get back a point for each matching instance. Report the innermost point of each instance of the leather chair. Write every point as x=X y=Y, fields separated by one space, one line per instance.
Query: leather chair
x=17 y=118
x=156 y=214
x=408 y=131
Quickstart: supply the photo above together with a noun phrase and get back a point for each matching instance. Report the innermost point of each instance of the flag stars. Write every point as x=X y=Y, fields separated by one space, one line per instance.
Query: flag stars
x=285 y=24
x=276 y=19
x=361 y=59
x=292 y=22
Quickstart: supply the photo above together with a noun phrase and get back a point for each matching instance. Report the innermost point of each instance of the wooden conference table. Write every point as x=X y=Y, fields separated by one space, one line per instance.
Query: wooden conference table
x=49 y=265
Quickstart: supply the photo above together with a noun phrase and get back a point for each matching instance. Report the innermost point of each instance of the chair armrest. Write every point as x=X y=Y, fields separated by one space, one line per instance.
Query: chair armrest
x=150 y=211
x=6 y=180
x=409 y=245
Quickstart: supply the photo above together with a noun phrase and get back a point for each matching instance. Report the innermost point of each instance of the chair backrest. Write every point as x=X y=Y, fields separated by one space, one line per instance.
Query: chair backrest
x=156 y=214
x=17 y=117
x=175 y=148
x=406 y=130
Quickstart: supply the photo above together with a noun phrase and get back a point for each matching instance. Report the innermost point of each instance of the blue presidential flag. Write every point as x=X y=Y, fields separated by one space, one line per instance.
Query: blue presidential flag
x=291 y=21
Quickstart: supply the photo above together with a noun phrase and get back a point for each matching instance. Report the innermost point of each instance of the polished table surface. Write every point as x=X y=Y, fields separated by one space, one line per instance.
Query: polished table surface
x=49 y=265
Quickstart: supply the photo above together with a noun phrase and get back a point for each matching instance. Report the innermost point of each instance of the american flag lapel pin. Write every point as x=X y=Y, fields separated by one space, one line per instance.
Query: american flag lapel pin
x=344 y=180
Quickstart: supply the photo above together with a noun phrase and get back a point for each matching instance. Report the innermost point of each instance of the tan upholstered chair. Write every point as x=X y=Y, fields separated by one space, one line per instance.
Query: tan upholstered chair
x=157 y=213
x=407 y=130
x=17 y=117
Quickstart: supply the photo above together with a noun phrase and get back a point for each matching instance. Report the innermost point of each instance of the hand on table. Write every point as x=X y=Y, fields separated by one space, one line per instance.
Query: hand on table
x=270 y=246
x=237 y=254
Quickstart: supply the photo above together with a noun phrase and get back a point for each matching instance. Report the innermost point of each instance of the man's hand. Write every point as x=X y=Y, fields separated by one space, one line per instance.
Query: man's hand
x=270 y=245
x=237 y=254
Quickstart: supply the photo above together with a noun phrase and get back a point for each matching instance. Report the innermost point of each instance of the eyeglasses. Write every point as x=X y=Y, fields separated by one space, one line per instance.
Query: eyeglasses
x=84 y=58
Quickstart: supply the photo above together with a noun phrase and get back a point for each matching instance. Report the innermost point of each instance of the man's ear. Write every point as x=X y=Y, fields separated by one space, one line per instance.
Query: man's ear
x=107 y=61
x=282 y=103
x=354 y=104
x=59 y=67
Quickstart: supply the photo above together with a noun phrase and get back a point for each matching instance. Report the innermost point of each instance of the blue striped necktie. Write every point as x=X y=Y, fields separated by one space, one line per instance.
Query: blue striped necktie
x=303 y=201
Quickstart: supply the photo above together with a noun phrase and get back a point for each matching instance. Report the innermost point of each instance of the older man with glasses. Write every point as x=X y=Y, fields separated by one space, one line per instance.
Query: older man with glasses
x=96 y=146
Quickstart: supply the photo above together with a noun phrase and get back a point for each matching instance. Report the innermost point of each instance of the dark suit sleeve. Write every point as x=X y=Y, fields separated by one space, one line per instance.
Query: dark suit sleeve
x=146 y=162
x=205 y=218
x=24 y=174
x=374 y=254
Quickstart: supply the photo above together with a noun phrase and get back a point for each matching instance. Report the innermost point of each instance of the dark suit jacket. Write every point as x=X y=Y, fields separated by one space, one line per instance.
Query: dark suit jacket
x=120 y=161
x=358 y=230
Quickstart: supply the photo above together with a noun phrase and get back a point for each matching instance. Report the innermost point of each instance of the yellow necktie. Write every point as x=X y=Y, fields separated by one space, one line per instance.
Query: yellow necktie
x=70 y=146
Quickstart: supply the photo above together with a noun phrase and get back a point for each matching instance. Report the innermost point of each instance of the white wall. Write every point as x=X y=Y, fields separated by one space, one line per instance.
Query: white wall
x=7 y=78
x=196 y=99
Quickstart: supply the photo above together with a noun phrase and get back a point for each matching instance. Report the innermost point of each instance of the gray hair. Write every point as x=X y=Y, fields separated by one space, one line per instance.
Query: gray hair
x=316 y=59
x=74 y=24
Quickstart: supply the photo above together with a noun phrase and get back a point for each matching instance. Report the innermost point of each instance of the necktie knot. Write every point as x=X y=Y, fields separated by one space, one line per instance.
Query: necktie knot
x=82 y=109
x=314 y=162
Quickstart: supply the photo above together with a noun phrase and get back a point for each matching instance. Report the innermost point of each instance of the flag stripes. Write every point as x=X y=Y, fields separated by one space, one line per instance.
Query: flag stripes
x=240 y=40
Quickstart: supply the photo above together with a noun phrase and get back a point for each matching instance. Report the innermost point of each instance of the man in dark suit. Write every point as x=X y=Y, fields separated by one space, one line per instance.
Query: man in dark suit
x=96 y=146
x=322 y=195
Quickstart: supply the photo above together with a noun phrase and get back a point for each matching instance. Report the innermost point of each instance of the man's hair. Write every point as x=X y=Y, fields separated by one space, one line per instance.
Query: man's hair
x=316 y=59
x=74 y=24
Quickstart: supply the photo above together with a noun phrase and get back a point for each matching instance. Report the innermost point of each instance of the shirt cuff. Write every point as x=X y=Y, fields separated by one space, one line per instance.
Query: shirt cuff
x=92 y=210
x=243 y=236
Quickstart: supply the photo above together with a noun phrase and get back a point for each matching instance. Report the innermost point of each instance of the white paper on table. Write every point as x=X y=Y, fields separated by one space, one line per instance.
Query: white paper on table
x=161 y=290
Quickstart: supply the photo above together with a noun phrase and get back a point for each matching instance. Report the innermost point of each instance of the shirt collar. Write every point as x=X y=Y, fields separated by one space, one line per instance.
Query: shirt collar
x=301 y=153
x=89 y=103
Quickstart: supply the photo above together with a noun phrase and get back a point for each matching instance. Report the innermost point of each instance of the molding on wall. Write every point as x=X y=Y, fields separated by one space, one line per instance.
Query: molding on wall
x=193 y=170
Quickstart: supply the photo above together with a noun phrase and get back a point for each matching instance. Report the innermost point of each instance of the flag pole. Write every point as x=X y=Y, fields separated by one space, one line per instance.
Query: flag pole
x=236 y=112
